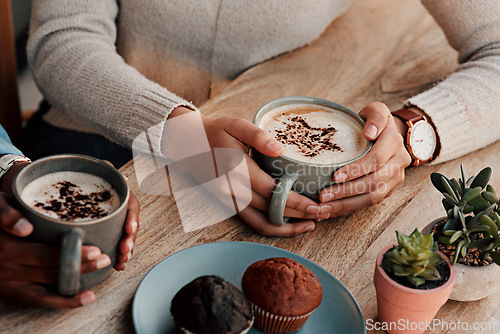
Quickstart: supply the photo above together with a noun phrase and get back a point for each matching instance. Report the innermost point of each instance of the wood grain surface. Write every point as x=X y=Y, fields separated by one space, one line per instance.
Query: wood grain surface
x=378 y=50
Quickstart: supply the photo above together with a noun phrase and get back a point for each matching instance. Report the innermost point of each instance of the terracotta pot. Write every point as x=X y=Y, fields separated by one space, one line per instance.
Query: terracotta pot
x=407 y=310
x=472 y=283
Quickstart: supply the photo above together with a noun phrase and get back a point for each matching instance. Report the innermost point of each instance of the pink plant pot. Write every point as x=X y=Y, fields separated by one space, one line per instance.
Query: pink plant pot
x=406 y=310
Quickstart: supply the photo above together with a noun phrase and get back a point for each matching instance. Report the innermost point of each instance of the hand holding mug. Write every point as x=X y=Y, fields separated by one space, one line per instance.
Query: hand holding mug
x=30 y=263
x=373 y=177
x=241 y=135
x=24 y=264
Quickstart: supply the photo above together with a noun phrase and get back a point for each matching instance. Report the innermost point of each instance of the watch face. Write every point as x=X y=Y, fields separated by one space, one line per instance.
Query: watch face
x=423 y=140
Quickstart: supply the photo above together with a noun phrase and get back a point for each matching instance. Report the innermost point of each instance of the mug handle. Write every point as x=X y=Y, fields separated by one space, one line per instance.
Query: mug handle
x=280 y=196
x=70 y=262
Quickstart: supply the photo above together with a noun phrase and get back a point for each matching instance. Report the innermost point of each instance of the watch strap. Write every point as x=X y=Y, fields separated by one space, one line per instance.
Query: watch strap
x=8 y=160
x=408 y=115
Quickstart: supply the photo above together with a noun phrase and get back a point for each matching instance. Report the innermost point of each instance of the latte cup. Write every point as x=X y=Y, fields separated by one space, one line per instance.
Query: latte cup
x=306 y=176
x=104 y=232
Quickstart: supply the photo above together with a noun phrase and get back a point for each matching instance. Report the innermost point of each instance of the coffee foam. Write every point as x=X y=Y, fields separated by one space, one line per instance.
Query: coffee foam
x=56 y=194
x=315 y=134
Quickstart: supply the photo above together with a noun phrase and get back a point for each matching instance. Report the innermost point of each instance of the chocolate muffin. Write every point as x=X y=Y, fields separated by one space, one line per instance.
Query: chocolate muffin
x=210 y=305
x=283 y=294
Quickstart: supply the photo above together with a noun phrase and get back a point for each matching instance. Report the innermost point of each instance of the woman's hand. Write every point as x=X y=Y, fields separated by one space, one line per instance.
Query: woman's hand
x=239 y=134
x=23 y=264
x=370 y=179
x=130 y=229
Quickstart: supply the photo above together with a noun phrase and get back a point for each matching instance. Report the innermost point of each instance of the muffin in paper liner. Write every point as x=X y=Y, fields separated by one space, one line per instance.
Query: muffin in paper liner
x=245 y=331
x=276 y=324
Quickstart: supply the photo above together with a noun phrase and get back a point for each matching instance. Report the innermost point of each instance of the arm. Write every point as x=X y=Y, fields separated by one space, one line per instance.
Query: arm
x=463 y=107
x=74 y=60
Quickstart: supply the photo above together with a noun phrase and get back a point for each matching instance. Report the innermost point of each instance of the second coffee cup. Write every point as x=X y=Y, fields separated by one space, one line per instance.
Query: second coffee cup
x=74 y=200
x=318 y=136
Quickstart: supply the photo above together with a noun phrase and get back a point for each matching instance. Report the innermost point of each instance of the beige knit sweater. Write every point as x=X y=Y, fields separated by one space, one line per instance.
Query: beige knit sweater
x=118 y=70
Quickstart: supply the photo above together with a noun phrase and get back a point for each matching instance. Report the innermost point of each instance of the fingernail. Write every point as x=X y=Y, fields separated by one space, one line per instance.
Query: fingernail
x=22 y=227
x=313 y=209
x=309 y=228
x=103 y=262
x=135 y=225
x=326 y=208
x=340 y=177
x=86 y=299
x=130 y=245
x=93 y=254
x=327 y=197
x=273 y=146
x=371 y=131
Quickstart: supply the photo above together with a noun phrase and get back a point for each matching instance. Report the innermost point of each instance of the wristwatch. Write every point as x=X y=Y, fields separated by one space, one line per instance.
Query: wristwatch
x=421 y=140
x=9 y=160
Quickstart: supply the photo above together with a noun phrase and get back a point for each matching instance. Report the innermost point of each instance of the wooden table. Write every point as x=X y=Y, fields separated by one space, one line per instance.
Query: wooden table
x=379 y=50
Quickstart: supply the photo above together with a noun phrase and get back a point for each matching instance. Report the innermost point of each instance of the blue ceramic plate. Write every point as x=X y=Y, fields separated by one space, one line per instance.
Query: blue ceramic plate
x=337 y=313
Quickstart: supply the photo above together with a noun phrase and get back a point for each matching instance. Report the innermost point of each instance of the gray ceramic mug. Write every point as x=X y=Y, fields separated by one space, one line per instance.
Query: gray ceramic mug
x=305 y=178
x=104 y=232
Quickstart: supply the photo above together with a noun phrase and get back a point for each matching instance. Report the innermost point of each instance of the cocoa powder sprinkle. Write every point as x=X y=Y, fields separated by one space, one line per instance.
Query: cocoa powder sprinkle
x=309 y=140
x=73 y=203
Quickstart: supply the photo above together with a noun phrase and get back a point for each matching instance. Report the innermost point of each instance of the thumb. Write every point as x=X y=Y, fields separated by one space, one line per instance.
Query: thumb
x=376 y=115
x=12 y=221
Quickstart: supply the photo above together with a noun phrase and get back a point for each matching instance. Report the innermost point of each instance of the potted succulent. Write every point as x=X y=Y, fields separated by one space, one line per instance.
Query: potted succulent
x=468 y=235
x=413 y=280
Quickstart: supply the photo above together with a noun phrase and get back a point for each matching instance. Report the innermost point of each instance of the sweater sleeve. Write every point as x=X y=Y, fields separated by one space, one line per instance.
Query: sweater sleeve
x=73 y=57
x=463 y=107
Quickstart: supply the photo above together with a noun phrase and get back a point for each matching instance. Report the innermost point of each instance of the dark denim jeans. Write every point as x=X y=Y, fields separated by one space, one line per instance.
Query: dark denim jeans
x=42 y=139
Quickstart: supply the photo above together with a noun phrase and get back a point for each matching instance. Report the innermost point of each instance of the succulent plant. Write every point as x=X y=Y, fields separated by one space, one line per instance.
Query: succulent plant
x=472 y=208
x=414 y=258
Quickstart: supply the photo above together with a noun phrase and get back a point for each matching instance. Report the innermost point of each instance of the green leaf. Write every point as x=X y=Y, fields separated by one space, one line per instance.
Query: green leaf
x=471 y=193
x=497 y=218
x=496 y=257
x=487 y=221
x=479 y=203
x=462 y=171
x=469 y=181
x=482 y=178
x=449 y=189
x=399 y=270
x=444 y=240
x=479 y=228
x=451 y=224
x=430 y=274
x=483 y=244
x=468 y=209
x=460 y=246
x=455 y=236
x=462 y=220
x=450 y=198
x=490 y=189
x=447 y=204
x=456 y=186
x=416 y=281
x=436 y=181
x=489 y=196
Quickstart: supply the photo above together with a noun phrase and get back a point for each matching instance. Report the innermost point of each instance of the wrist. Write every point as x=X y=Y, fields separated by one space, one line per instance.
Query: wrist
x=179 y=110
x=8 y=178
x=418 y=132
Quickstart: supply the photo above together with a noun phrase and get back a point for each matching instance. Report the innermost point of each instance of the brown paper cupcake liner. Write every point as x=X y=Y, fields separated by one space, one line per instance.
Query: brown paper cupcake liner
x=245 y=331
x=275 y=324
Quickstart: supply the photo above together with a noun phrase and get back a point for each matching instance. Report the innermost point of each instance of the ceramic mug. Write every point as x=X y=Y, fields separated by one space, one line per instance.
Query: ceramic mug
x=104 y=232
x=305 y=178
